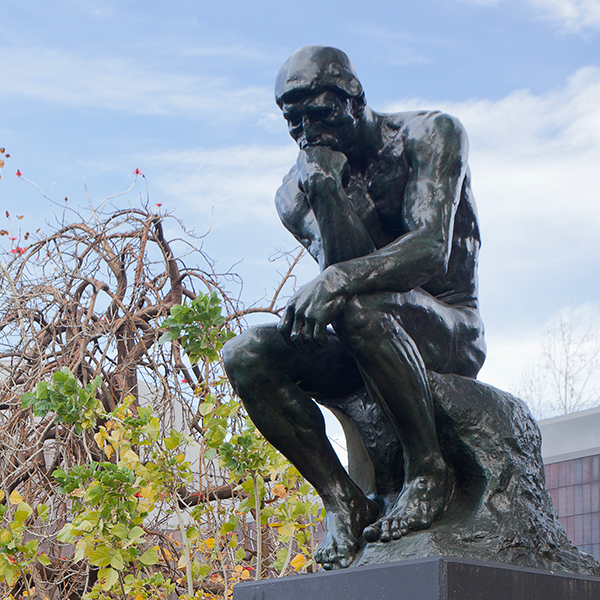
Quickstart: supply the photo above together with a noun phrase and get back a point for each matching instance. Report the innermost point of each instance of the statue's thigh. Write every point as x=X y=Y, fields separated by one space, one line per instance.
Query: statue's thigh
x=449 y=339
x=261 y=352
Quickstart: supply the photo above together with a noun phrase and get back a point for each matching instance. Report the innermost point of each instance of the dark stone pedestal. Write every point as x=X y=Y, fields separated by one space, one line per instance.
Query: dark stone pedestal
x=435 y=578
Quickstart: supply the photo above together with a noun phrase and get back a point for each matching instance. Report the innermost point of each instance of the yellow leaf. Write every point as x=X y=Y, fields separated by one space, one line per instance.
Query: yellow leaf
x=146 y=491
x=238 y=568
x=108 y=451
x=15 y=497
x=298 y=562
x=2 y=494
x=245 y=574
x=280 y=491
x=139 y=597
x=287 y=529
x=182 y=562
x=144 y=505
x=130 y=456
x=210 y=543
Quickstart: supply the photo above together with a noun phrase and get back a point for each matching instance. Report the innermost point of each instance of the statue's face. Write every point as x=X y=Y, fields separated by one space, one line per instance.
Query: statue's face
x=322 y=119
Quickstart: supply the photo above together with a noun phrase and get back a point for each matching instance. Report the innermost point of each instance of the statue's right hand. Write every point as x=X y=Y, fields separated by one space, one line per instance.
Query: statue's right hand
x=309 y=311
x=319 y=165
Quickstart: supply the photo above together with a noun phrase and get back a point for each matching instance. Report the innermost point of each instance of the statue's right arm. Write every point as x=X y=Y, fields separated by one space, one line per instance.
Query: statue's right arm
x=297 y=215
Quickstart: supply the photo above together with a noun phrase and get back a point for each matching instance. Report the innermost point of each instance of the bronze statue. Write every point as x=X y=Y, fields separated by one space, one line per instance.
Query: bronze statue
x=389 y=337
x=383 y=203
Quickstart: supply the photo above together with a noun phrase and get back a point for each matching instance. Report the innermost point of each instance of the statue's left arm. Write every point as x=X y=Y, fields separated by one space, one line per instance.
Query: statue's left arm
x=436 y=149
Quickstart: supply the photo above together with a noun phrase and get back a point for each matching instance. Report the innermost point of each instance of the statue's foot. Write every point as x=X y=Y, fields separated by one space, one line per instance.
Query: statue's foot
x=345 y=525
x=421 y=502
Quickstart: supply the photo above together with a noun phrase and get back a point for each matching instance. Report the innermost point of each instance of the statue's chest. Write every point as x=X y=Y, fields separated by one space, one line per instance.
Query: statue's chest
x=377 y=198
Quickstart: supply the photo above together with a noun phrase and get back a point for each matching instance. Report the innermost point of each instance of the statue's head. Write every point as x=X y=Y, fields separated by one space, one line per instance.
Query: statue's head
x=321 y=98
x=315 y=69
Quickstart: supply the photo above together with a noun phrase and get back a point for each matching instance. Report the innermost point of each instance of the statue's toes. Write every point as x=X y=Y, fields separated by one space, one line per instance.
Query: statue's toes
x=395 y=529
x=332 y=554
x=345 y=561
x=414 y=522
x=372 y=533
x=328 y=566
x=386 y=534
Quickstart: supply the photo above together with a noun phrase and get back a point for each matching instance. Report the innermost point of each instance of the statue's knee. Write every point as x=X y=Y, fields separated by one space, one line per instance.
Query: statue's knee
x=241 y=356
x=250 y=357
x=361 y=320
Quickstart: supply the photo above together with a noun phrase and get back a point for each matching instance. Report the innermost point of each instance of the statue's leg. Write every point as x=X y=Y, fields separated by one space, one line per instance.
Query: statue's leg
x=375 y=329
x=276 y=383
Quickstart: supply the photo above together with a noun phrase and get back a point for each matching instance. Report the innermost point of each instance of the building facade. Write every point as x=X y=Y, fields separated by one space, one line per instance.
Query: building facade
x=571 y=453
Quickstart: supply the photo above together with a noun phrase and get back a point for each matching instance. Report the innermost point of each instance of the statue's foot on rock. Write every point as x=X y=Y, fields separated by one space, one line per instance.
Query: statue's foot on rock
x=421 y=502
x=345 y=525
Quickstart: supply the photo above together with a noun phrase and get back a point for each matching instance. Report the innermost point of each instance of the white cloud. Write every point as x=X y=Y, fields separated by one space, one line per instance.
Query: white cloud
x=120 y=84
x=574 y=15
x=238 y=182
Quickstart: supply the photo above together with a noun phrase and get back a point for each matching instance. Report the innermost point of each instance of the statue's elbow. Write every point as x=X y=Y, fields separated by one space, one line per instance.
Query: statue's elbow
x=439 y=257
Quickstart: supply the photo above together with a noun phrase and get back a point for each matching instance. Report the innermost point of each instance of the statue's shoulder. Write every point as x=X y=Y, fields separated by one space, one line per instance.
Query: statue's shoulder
x=288 y=197
x=417 y=133
x=418 y=124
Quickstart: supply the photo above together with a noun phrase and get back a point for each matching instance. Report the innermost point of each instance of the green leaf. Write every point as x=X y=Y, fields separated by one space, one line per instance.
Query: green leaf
x=116 y=562
x=202 y=570
x=227 y=527
x=108 y=578
x=150 y=557
x=43 y=558
x=135 y=533
x=240 y=554
x=206 y=408
x=101 y=556
x=164 y=338
x=65 y=535
x=27 y=399
x=42 y=511
x=173 y=440
x=120 y=530
x=23 y=511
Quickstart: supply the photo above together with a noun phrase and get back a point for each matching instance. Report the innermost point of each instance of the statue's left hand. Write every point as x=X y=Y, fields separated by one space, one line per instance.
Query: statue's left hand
x=310 y=310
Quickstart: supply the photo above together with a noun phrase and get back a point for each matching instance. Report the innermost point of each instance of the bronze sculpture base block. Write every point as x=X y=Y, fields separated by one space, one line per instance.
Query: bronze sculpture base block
x=436 y=578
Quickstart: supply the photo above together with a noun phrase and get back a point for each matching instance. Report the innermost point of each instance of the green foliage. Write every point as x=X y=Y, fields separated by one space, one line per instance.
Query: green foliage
x=71 y=404
x=141 y=468
x=200 y=326
x=112 y=500
x=17 y=555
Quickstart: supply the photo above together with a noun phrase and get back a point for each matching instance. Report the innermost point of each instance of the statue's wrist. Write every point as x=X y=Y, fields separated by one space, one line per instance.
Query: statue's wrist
x=337 y=280
x=322 y=184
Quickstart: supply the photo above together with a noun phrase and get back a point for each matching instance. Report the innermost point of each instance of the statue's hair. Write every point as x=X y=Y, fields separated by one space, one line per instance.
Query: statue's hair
x=315 y=68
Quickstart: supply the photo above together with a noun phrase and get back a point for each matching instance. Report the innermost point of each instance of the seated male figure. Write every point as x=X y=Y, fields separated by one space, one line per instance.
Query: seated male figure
x=383 y=203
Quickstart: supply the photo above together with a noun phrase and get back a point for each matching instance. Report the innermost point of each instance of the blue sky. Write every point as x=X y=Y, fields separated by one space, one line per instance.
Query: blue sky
x=92 y=89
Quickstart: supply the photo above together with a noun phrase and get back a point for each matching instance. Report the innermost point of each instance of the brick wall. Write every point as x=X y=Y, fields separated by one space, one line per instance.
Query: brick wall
x=575 y=489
